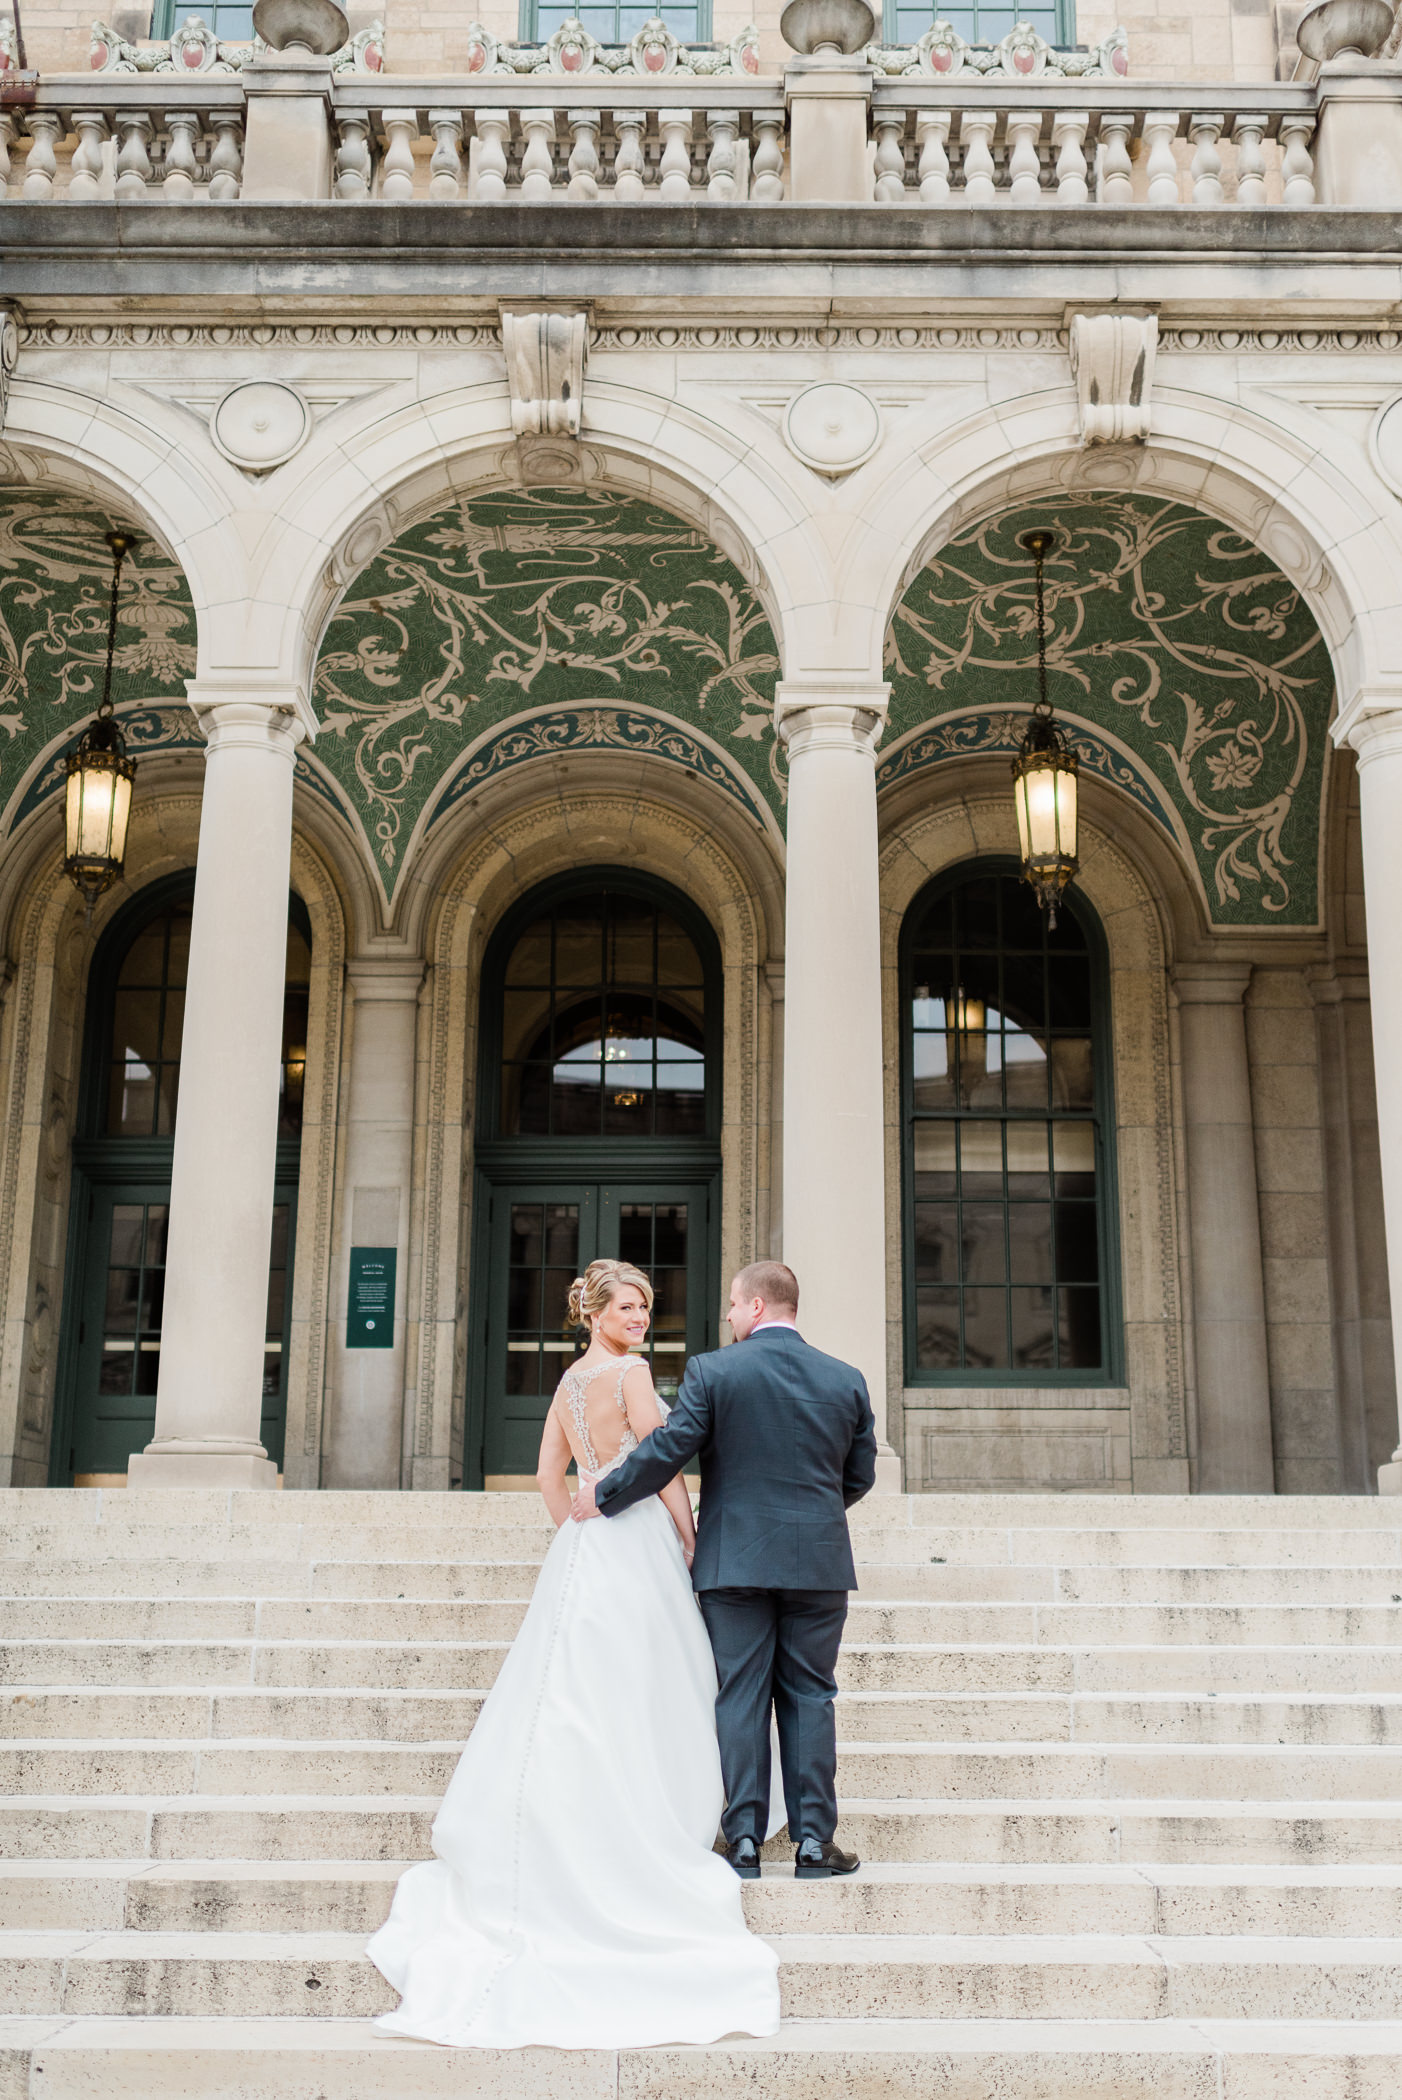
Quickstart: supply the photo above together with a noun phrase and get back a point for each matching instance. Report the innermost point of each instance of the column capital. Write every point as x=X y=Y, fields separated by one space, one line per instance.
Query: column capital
x=834 y=714
x=385 y=979
x=265 y=717
x=1371 y=722
x=1211 y=983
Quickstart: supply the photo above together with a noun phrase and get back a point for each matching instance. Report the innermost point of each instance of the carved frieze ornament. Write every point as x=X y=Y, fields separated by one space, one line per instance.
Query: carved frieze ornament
x=1112 y=363
x=9 y=352
x=545 y=356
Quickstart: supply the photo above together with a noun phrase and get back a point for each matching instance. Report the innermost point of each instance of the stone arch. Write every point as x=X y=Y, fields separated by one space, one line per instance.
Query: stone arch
x=138 y=465
x=499 y=860
x=384 y=471
x=1188 y=668
x=51 y=944
x=1332 y=533
x=1147 y=1121
x=516 y=624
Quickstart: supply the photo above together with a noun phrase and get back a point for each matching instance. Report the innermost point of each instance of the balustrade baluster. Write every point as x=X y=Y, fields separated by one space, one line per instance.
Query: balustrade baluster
x=1114 y=183
x=1069 y=129
x=134 y=130
x=890 y=156
x=41 y=163
x=584 y=155
x=767 y=168
x=538 y=160
x=181 y=164
x=352 y=157
x=976 y=130
x=932 y=141
x=1207 y=161
x=675 y=169
x=629 y=165
x=225 y=156
x=85 y=174
x=1247 y=133
x=445 y=167
x=493 y=136
x=1024 y=161
x=723 y=131
x=1161 y=129
x=397 y=174
x=1297 y=162
x=7 y=146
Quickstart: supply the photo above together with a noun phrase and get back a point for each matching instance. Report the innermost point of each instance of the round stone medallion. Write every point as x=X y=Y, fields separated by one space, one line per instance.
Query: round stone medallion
x=260 y=423
x=832 y=428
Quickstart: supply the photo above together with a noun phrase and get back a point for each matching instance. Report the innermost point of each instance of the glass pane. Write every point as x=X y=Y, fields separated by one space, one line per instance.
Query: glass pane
x=1024 y=926
x=157 y=1220
x=1073 y=1078
x=1073 y=1158
x=525 y=1023
x=1079 y=1329
x=1030 y=1243
x=985 y=1330
x=523 y=1300
x=935 y=1156
x=635 y=1234
x=630 y=941
x=145 y=959
x=123 y=1297
x=936 y=1243
x=562 y=1235
x=527 y=1229
x=1068 y=992
x=933 y=1080
x=1025 y=992
x=299 y=956
x=677 y=959
x=128 y=1220
x=579 y=944
x=670 y=1229
x=1034 y=1336
x=167 y=1100
x=982 y=1249
x=529 y=962
x=1077 y=1249
x=136 y=1028
x=976 y=913
x=1025 y=1070
x=1027 y=1160
x=981 y=1159
x=937 y=1329
x=555 y=1302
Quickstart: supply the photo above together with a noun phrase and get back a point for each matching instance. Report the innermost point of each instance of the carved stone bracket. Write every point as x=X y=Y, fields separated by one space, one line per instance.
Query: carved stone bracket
x=545 y=355
x=1112 y=363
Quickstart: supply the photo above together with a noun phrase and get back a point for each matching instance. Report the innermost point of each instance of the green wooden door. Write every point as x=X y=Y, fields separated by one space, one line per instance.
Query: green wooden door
x=117 y=1359
x=540 y=1239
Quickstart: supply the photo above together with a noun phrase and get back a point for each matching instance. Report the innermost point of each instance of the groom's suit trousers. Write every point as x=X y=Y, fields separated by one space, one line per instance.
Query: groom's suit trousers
x=778 y=1645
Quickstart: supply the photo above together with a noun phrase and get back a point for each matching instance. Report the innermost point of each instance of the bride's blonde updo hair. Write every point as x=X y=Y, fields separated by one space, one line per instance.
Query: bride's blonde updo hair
x=591 y=1292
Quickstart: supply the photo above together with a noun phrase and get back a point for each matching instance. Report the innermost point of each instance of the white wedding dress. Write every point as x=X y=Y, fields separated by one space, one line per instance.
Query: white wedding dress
x=575 y=1899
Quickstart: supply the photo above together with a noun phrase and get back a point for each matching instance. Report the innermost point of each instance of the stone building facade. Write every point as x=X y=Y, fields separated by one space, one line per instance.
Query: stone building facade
x=573 y=647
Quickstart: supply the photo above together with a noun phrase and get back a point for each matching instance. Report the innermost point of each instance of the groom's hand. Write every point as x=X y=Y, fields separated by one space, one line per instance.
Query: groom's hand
x=583 y=1505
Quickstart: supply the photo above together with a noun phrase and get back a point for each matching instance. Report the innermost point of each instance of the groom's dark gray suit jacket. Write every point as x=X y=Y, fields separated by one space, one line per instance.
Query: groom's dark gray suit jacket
x=787 y=1443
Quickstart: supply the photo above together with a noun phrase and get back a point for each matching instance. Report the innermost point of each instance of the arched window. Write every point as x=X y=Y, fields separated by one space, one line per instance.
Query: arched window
x=601 y=998
x=1009 y=1268
x=111 y=1338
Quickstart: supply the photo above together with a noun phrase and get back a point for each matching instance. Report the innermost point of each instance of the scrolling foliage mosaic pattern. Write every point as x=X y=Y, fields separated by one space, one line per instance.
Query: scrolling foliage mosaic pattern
x=547 y=598
x=1171 y=633
x=55 y=581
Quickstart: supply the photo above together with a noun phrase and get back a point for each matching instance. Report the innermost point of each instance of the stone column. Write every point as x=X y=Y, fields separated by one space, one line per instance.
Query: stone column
x=1229 y=1298
x=365 y=1438
x=828 y=104
x=209 y=1400
x=1377 y=738
x=834 y=1140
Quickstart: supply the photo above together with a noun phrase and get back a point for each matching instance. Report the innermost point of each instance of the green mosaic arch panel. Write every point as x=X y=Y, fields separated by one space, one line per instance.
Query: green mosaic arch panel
x=55 y=583
x=1177 y=638
x=535 y=600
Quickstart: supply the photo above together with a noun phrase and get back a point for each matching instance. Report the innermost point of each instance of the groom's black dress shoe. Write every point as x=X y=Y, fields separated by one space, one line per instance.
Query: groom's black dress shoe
x=815 y=1862
x=744 y=1857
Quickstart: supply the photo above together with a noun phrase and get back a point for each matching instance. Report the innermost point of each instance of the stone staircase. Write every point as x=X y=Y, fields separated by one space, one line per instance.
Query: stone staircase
x=1127 y=1776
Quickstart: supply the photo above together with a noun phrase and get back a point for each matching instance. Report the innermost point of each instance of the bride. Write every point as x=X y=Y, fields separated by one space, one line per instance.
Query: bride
x=575 y=1899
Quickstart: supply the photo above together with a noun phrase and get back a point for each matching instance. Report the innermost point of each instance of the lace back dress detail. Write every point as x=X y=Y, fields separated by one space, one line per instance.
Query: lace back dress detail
x=574 y=1389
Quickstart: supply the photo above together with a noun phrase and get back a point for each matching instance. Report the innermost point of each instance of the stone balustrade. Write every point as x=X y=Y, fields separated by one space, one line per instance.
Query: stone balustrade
x=1074 y=143
x=969 y=143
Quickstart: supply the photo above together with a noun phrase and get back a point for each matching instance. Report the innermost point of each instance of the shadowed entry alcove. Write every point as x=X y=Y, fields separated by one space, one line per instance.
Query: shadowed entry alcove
x=600 y=1136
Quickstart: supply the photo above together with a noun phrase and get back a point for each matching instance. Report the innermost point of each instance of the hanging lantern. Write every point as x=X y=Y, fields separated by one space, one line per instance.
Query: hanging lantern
x=100 y=775
x=1044 y=772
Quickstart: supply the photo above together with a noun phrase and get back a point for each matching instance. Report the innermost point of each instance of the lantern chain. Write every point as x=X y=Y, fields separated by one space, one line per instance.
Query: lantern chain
x=120 y=544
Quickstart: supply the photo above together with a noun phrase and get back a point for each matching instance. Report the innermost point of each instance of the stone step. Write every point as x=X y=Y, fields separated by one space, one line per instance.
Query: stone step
x=891 y=1772
x=195 y=1715
x=934 y=1582
x=354 y=1896
x=825 y=1976
x=924 y=1666
x=961 y=2059
x=1031 y=1831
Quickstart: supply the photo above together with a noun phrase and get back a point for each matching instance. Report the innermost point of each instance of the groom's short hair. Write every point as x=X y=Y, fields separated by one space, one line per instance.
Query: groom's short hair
x=771 y=1281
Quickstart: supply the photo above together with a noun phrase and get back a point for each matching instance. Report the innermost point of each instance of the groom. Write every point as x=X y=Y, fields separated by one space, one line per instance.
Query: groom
x=787 y=1444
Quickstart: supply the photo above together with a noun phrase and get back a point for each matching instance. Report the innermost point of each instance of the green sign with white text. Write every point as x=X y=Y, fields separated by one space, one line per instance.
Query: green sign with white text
x=370 y=1317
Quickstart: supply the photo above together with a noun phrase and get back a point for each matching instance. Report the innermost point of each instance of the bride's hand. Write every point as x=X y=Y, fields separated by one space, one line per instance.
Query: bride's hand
x=688 y=1555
